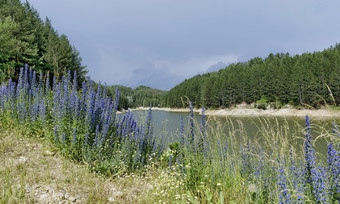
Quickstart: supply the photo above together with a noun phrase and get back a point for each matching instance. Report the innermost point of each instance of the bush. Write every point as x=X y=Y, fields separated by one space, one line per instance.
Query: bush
x=276 y=105
x=262 y=103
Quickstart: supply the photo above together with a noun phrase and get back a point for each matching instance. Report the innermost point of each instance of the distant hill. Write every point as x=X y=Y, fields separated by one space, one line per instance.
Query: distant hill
x=141 y=96
x=311 y=79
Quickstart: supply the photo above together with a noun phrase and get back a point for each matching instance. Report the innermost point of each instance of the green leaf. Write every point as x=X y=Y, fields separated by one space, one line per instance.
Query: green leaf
x=221 y=197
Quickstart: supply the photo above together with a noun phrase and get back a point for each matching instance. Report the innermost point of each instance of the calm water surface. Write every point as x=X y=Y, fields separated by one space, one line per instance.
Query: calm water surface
x=167 y=124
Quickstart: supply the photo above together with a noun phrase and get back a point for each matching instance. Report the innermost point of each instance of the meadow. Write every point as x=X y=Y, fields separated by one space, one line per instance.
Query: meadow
x=206 y=165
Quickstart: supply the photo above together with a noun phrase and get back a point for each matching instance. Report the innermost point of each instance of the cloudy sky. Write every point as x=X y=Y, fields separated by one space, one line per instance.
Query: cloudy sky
x=159 y=43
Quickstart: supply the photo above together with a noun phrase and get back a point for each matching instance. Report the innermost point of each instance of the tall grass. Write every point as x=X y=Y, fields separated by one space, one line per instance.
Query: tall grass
x=83 y=123
x=221 y=164
x=207 y=164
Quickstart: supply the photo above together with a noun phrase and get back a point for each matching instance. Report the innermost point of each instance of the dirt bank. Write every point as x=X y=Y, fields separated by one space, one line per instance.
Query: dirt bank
x=244 y=110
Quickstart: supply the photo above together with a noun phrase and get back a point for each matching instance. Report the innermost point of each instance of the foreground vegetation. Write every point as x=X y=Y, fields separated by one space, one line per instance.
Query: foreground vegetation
x=33 y=171
x=206 y=165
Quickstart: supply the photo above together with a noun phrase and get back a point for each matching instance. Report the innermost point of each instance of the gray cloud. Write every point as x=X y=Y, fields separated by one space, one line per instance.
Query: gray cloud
x=216 y=67
x=184 y=38
x=153 y=76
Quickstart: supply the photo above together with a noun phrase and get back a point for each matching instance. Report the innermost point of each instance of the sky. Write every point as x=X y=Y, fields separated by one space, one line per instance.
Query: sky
x=160 y=43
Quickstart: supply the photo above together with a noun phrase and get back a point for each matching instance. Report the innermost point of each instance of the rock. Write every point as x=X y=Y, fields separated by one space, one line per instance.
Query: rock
x=72 y=199
x=28 y=188
x=21 y=160
x=44 y=196
x=49 y=153
x=58 y=195
x=78 y=201
x=111 y=199
x=252 y=188
x=114 y=195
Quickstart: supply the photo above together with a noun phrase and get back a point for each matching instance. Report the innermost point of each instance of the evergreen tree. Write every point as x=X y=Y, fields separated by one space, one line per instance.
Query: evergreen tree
x=311 y=79
x=26 y=39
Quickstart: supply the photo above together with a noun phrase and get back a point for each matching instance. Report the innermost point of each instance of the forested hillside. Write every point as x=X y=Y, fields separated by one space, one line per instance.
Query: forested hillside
x=26 y=39
x=141 y=96
x=280 y=79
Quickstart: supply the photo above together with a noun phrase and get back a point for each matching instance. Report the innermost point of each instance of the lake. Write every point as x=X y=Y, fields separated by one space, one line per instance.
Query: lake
x=167 y=124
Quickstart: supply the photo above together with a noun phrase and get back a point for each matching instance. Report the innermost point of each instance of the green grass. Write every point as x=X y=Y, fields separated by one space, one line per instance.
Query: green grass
x=48 y=175
x=336 y=108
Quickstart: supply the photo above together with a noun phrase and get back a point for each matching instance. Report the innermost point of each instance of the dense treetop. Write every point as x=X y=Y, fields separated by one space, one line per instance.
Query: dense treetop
x=141 y=96
x=26 y=39
x=308 y=79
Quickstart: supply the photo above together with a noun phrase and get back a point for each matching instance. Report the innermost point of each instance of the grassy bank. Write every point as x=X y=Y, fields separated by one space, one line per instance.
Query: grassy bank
x=34 y=171
x=206 y=165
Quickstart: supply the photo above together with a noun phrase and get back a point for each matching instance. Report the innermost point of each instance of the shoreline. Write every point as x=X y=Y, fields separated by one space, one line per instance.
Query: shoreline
x=244 y=110
x=176 y=110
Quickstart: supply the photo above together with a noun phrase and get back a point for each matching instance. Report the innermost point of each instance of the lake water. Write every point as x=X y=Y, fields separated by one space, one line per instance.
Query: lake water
x=167 y=124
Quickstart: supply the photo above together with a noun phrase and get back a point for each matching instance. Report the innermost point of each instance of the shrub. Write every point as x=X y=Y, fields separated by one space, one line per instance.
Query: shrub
x=262 y=103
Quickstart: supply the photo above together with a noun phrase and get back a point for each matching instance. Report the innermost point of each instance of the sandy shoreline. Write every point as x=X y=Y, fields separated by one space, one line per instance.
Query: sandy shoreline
x=177 y=110
x=285 y=112
x=247 y=111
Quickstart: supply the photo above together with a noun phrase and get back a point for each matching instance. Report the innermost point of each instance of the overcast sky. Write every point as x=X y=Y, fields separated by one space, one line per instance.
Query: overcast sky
x=159 y=43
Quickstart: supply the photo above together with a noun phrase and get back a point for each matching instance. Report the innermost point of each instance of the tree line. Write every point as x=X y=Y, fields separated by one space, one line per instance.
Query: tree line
x=25 y=39
x=311 y=79
x=141 y=96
